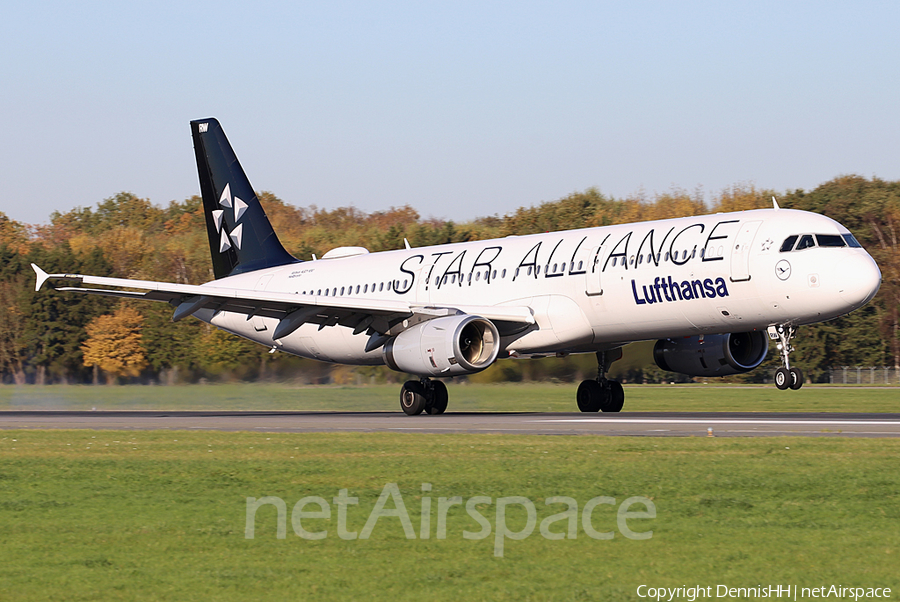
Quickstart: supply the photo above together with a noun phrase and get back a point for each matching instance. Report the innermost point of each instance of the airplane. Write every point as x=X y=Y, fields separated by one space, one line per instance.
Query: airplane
x=711 y=290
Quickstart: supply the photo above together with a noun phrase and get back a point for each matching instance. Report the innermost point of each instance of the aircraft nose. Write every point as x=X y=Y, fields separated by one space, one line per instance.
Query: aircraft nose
x=859 y=279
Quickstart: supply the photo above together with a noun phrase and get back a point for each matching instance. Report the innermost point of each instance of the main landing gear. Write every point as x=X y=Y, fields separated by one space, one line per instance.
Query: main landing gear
x=601 y=394
x=785 y=377
x=423 y=395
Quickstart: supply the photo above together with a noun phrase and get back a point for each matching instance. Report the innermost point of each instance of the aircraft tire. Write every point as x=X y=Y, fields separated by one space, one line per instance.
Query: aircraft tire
x=440 y=397
x=616 y=398
x=589 y=396
x=412 y=398
x=796 y=378
x=783 y=378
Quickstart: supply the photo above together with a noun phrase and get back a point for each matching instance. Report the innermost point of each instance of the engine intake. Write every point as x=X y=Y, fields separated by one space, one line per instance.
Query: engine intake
x=447 y=346
x=712 y=355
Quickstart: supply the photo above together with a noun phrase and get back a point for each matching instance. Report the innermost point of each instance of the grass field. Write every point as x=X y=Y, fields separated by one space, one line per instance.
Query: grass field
x=463 y=397
x=154 y=515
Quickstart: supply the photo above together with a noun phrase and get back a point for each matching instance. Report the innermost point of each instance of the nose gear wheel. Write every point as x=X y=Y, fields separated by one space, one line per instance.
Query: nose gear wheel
x=786 y=377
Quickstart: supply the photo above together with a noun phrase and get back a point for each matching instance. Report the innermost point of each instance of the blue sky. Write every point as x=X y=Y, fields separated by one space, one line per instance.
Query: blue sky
x=459 y=109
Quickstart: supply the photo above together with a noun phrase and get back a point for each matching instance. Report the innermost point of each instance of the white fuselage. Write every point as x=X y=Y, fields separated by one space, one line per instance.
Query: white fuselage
x=589 y=289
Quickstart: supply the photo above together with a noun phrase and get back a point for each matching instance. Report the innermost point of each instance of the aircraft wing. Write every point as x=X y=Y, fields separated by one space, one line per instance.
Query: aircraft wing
x=374 y=315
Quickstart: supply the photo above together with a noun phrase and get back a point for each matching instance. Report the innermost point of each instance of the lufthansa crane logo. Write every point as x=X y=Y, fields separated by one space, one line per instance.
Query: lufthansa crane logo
x=783 y=269
x=227 y=239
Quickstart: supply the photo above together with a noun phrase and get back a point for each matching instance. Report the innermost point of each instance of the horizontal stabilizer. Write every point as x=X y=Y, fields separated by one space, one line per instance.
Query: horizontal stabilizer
x=41 y=277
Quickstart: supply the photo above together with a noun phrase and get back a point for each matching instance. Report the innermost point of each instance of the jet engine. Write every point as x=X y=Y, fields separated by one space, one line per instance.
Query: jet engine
x=447 y=346
x=712 y=355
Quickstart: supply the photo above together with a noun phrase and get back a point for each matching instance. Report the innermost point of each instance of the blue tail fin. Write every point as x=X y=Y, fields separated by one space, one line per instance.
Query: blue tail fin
x=241 y=239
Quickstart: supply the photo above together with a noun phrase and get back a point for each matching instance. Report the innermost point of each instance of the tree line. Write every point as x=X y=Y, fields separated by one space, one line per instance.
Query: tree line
x=52 y=337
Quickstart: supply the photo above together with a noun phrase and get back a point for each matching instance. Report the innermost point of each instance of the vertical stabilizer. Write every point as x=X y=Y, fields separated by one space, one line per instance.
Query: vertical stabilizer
x=241 y=239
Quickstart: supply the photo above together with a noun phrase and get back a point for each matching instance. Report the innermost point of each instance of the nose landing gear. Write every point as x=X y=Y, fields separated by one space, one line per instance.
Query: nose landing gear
x=601 y=394
x=785 y=377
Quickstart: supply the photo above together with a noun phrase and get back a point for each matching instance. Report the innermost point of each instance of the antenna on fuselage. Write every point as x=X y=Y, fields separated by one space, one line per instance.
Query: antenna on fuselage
x=775 y=204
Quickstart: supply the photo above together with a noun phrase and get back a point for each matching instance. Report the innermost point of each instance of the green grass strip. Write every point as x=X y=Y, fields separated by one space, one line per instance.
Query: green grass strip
x=161 y=515
x=463 y=397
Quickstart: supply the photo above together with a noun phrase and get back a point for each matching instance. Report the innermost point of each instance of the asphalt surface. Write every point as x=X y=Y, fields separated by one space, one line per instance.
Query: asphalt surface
x=655 y=424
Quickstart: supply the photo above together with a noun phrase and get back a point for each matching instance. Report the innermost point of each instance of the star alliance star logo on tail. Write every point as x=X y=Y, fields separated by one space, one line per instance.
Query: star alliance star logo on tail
x=228 y=202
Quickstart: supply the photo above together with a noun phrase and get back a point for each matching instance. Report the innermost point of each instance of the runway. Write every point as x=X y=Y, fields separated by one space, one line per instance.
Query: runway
x=640 y=424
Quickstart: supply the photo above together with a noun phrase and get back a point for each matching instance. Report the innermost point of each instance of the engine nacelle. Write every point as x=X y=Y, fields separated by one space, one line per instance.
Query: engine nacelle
x=447 y=346
x=712 y=355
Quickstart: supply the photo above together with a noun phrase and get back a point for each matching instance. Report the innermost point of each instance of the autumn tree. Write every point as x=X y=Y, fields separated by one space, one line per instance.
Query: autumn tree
x=12 y=328
x=54 y=329
x=114 y=344
x=13 y=234
x=743 y=197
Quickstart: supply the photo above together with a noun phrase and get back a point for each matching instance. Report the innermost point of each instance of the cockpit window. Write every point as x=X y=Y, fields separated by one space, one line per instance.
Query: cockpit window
x=830 y=240
x=851 y=241
x=806 y=241
x=788 y=243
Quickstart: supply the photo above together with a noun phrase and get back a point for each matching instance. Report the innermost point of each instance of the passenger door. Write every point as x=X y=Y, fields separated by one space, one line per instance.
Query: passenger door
x=740 y=251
